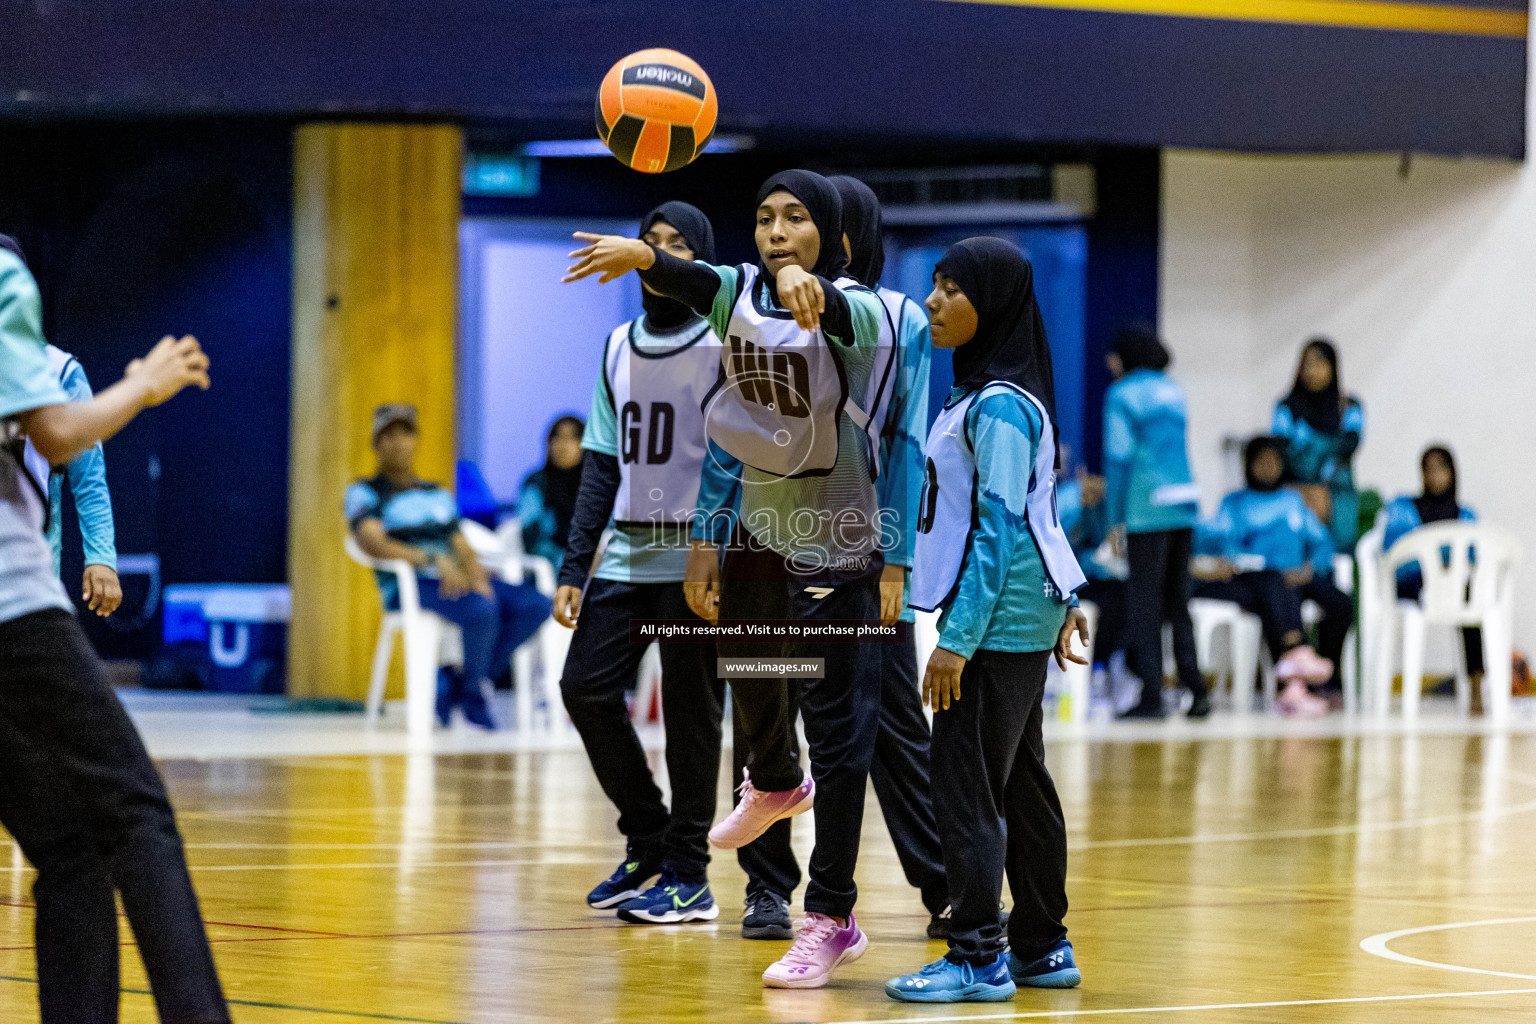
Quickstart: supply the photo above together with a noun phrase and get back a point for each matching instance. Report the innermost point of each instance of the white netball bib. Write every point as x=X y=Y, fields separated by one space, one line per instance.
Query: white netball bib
x=948 y=507
x=657 y=395
x=780 y=391
x=58 y=362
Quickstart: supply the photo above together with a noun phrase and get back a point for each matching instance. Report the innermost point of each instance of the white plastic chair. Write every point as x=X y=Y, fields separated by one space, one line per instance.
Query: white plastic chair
x=542 y=656
x=1473 y=586
x=1247 y=655
x=431 y=642
x=1371 y=605
x=1244 y=640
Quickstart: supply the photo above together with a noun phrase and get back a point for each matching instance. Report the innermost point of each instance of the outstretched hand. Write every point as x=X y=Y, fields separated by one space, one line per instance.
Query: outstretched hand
x=169 y=367
x=611 y=256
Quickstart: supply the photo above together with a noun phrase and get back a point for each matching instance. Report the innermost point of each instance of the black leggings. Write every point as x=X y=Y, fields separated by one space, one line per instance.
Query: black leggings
x=1157 y=591
x=82 y=799
x=1278 y=606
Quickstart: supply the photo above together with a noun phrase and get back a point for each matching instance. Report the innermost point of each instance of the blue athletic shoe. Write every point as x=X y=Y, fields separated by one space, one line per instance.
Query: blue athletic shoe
x=477 y=707
x=627 y=881
x=1056 y=969
x=944 y=981
x=671 y=902
x=450 y=684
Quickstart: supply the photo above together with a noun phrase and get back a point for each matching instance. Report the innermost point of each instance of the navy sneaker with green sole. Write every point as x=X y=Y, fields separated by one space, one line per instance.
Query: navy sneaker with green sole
x=1057 y=969
x=671 y=902
x=945 y=981
x=627 y=881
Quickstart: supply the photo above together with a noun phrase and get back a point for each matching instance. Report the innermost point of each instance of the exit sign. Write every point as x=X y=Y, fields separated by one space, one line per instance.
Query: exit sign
x=501 y=174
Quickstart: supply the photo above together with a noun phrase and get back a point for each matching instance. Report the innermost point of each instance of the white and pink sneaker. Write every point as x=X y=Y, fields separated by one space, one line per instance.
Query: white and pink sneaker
x=1299 y=702
x=758 y=810
x=1305 y=664
x=822 y=946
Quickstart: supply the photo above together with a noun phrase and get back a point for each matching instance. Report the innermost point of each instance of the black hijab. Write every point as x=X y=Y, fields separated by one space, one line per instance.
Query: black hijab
x=861 y=223
x=1324 y=409
x=559 y=486
x=1251 y=452
x=689 y=221
x=820 y=199
x=1010 y=334
x=10 y=245
x=1435 y=508
x=1139 y=348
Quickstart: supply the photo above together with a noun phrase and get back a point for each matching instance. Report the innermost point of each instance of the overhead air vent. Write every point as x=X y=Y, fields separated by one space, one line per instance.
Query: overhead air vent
x=992 y=194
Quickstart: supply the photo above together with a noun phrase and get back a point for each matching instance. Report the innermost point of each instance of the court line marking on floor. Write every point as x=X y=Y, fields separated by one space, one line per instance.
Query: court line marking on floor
x=1377 y=945
x=1306 y=833
x=384 y=866
x=277 y=1006
x=1189 y=1009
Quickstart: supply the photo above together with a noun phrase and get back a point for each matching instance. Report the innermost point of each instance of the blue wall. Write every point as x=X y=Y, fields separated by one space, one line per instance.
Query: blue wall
x=139 y=230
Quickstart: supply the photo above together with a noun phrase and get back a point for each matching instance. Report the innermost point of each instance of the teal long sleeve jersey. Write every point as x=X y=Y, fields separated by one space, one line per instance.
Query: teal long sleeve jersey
x=900 y=484
x=87 y=475
x=1146 y=455
x=1004 y=599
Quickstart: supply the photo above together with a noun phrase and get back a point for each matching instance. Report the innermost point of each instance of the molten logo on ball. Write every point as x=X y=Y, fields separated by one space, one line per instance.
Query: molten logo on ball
x=656 y=110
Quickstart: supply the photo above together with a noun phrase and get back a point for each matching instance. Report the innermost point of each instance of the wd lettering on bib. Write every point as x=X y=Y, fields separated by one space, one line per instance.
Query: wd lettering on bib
x=778 y=380
x=666 y=76
x=782 y=390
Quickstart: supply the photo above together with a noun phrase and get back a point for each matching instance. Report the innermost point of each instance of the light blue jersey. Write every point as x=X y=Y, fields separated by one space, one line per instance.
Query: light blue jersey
x=27 y=581
x=899 y=486
x=1086 y=528
x=1313 y=457
x=1403 y=518
x=87 y=475
x=1146 y=454
x=1004 y=599
x=423 y=515
x=1275 y=526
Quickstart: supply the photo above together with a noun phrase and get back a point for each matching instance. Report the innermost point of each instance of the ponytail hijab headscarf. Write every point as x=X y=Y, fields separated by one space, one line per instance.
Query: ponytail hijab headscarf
x=821 y=200
x=1251 y=452
x=1323 y=410
x=1435 y=508
x=1139 y=348
x=689 y=221
x=558 y=485
x=861 y=223
x=1009 y=343
x=13 y=247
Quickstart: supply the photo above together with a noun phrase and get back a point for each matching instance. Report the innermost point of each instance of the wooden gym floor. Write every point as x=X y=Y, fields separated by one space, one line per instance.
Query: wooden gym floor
x=1263 y=878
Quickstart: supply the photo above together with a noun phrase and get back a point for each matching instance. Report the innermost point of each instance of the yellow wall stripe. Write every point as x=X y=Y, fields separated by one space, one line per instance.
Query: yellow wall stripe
x=1377 y=14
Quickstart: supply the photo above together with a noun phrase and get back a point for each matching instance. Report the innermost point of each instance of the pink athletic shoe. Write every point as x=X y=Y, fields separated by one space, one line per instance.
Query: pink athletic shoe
x=758 y=810
x=822 y=946
x=1299 y=702
x=1305 y=664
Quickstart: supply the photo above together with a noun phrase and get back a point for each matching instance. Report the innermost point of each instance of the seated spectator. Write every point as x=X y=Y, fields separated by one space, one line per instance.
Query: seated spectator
x=1080 y=505
x=548 y=496
x=1271 y=553
x=1436 y=503
x=397 y=515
